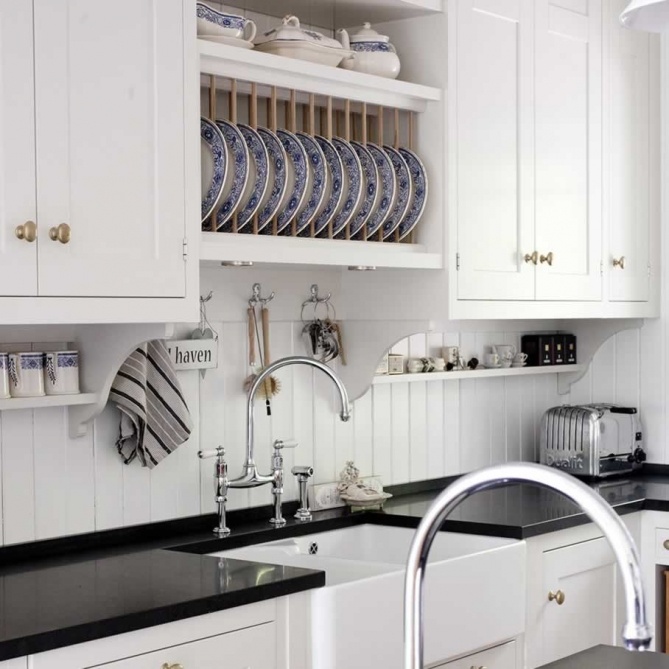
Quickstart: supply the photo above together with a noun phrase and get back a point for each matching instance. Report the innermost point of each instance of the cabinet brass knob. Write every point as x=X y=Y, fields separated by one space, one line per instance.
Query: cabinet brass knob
x=619 y=262
x=666 y=544
x=557 y=597
x=548 y=258
x=27 y=232
x=61 y=234
x=171 y=666
x=531 y=257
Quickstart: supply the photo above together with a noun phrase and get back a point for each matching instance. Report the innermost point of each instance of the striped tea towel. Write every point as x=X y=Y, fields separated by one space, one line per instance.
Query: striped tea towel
x=154 y=416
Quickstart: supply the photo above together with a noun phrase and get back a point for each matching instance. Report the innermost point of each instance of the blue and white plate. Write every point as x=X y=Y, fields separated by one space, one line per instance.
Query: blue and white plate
x=334 y=192
x=258 y=176
x=351 y=186
x=297 y=178
x=317 y=180
x=387 y=189
x=214 y=161
x=420 y=187
x=239 y=166
x=277 y=180
x=370 y=189
x=404 y=192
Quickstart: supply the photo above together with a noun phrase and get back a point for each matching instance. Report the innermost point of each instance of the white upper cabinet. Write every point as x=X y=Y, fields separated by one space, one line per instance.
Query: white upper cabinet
x=18 y=269
x=628 y=174
x=493 y=203
x=568 y=104
x=109 y=82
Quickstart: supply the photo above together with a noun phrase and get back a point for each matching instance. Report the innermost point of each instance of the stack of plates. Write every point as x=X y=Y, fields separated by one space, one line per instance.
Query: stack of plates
x=307 y=181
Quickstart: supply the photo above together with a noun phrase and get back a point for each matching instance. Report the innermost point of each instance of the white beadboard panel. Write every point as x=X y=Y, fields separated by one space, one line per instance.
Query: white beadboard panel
x=418 y=422
x=400 y=433
x=108 y=477
x=382 y=431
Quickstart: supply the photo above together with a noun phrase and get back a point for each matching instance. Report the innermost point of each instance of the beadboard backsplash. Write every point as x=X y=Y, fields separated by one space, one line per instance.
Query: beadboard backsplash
x=52 y=485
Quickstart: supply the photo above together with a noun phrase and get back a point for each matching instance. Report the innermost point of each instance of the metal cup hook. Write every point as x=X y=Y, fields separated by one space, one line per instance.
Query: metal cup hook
x=257 y=297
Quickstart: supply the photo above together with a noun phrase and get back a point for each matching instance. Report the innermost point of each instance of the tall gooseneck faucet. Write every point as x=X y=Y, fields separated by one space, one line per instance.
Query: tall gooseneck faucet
x=250 y=476
x=637 y=633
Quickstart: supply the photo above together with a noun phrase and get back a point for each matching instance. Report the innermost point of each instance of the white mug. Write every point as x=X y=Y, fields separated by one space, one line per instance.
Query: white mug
x=504 y=351
x=26 y=374
x=491 y=360
x=61 y=375
x=4 y=376
x=520 y=358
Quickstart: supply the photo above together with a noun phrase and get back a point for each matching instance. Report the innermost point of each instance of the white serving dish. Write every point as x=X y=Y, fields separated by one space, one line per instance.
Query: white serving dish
x=211 y=22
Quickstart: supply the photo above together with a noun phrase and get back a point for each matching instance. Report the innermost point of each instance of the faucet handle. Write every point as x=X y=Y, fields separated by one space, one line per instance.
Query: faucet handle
x=285 y=443
x=214 y=453
x=302 y=472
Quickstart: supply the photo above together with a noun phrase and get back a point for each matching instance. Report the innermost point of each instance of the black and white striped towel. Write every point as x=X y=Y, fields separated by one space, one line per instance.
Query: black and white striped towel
x=154 y=416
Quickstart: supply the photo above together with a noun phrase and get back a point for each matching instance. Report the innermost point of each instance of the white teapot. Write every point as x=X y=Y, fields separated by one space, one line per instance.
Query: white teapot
x=372 y=53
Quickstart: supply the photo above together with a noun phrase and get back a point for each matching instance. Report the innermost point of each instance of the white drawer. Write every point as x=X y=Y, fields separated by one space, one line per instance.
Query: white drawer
x=499 y=657
x=662 y=546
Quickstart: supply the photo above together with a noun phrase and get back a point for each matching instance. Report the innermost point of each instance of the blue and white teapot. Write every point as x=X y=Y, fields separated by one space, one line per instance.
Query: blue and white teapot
x=372 y=53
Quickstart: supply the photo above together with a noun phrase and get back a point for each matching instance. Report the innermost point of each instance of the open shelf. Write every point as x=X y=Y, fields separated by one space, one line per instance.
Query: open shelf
x=216 y=247
x=271 y=70
x=343 y=13
x=476 y=374
x=46 y=401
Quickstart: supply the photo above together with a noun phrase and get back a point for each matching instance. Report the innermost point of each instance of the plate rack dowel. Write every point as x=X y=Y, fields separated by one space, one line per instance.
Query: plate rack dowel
x=328 y=135
x=347 y=137
x=233 y=120
x=312 y=131
x=410 y=121
x=396 y=145
x=293 y=128
x=363 y=138
x=379 y=141
x=212 y=117
x=273 y=127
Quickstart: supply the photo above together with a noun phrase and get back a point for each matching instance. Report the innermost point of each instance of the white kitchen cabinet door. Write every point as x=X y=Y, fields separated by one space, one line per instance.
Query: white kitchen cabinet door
x=493 y=199
x=628 y=122
x=18 y=257
x=585 y=574
x=568 y=99
x=499 y=657
x=110 y=146
x=252 y=648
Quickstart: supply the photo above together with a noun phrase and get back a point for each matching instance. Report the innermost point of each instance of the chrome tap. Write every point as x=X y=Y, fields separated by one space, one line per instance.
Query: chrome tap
x=250 y=477
x=637 y=633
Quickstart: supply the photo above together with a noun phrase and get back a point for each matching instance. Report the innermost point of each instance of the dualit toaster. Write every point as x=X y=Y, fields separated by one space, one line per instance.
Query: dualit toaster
x=594 y=440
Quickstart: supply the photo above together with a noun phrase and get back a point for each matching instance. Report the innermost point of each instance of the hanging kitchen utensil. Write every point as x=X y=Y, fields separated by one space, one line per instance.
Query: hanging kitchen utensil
x=321 y=335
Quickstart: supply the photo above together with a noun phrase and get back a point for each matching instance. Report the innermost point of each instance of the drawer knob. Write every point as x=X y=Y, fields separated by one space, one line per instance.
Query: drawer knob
x=531 y=257
x=26 y=232
x=665 y=543
x=61 y=234
x=548 y=258
x=557 y=597
x=619 y=262
x=171 y=666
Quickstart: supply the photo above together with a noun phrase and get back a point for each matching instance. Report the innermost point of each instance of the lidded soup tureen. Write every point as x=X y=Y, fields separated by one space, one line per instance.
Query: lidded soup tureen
x=291 y=40
x=372 y=53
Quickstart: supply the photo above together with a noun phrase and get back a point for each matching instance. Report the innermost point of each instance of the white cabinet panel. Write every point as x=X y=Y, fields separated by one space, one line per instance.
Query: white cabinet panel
x=568 y=150
x=494 y=208
x=585 y=573
x=252 y=648
x=110 y=146
x=628 y=121
x=499 y=657
x=18 y=269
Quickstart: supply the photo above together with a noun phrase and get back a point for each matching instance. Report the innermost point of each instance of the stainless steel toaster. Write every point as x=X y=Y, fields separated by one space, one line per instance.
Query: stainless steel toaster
x=594 y=440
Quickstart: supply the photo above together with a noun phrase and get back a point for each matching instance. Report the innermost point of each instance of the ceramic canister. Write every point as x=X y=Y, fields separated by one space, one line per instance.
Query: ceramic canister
x=26 y=374
x=4 y=376
x=62 y=372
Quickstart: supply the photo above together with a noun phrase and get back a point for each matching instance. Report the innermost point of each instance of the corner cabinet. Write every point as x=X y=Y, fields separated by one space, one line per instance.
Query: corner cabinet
x=553 y=126
x=93 y=125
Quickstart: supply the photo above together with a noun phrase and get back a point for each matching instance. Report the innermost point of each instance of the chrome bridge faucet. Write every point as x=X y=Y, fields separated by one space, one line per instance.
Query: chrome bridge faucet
x=637 y=633
x=250 y=477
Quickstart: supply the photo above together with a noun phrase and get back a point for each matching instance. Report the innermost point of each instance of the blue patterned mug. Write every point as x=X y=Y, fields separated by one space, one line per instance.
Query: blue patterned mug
x=62 y=372
x=26 y=374
x=4 y=376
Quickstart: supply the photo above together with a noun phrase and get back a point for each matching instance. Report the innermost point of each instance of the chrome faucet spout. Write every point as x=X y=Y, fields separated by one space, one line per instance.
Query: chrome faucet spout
x=636 y=633
x=250 y=474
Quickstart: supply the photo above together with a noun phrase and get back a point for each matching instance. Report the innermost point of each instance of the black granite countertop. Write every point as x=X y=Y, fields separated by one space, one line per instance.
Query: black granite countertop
x=607 y=657
x=64 y=591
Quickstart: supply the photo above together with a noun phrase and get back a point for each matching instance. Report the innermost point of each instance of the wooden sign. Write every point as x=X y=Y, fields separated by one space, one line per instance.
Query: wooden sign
x=193 y=353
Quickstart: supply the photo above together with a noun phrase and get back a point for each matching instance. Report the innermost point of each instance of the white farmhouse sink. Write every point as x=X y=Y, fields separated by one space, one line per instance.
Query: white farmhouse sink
x=475 y=592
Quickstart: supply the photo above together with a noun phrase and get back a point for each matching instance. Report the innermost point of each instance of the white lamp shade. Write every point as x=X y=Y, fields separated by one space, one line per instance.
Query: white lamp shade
x=649 y=15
